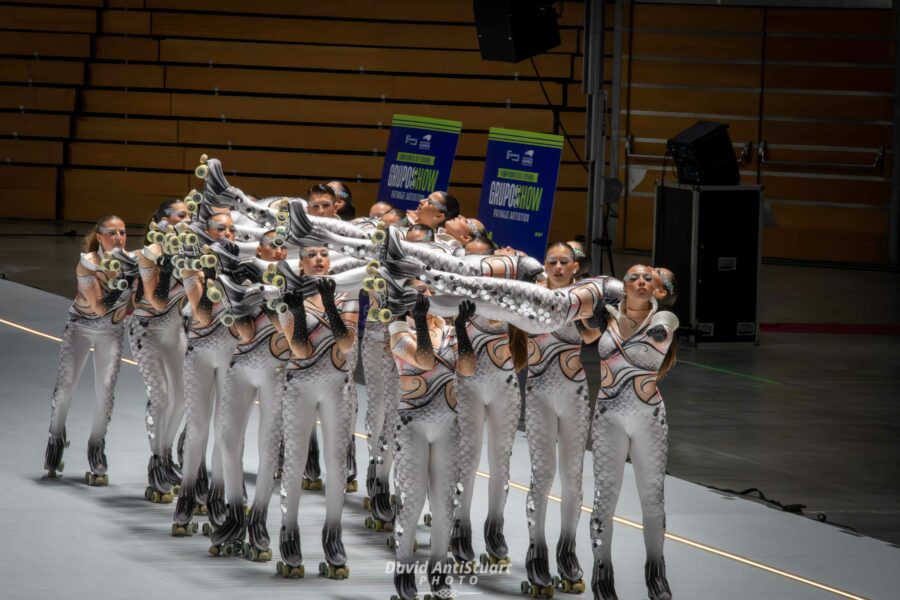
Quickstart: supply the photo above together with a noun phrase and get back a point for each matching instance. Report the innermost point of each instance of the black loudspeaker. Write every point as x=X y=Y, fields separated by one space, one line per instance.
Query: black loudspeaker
x=703 y=155
x=513 y=30
x=709 y=236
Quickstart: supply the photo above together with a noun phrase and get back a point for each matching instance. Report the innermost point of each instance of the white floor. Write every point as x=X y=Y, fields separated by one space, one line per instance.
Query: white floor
x=65 y=538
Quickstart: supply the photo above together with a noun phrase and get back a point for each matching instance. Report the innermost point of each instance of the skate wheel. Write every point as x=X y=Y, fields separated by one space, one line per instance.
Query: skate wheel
x=201 y=171
x=427 y=519
x=193 y=528
x=176 y=490
x=102 y=480
x=207 y=529
x=88 y=479
x=246 y=511
x=365 y=502
x=525 y=587
x=214 y=550
x=370 y=523
x=378 y=236
x=391 y=542
x=228 y=550
x=352 y=486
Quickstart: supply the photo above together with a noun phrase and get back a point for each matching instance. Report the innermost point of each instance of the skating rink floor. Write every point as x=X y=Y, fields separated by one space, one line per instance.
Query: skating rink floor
x=62 y=538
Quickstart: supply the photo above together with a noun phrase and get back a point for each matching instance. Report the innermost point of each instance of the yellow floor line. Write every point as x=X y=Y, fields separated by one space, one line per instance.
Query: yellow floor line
x=627 y=522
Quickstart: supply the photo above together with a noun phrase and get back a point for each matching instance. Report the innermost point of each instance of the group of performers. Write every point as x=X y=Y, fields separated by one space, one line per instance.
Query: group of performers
x=235 y=299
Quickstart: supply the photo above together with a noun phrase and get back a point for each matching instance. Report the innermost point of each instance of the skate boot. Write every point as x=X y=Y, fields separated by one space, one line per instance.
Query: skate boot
x=159 y=489
x=258 y=549
x=405 y=583
x=352 y=483
x=382 y=518
x=182 y=526
x=53 y=461
x=335 y=565
x=292 y=567
x=655 y=576
x=228 y=539
x=461 y=542
x=570 y=579
x=173 y=473
x=495 y=543
x=312 y=475
x=279 y=472
x=370 y=485
x=202 y=489
x=603 y=582
x=181 y=448
x=97 y=460
x=439 y=582
x=539 y=583
x=215 y=503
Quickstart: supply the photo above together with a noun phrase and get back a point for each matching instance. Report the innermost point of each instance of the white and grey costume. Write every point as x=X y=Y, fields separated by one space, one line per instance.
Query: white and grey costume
x=490 y=396
x=84 y=329
x=557 y=419
x=317 y=384
x=256 y=371
x=426 y=449
x=158 y=344
x=209 y=351
x=630 y=420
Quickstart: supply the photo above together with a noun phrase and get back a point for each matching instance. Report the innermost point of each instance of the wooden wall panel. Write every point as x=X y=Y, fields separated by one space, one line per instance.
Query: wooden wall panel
x=28 y=43
x=126 y=103
x=110 y=47
x=14 y=70
x=31 y=151
x=37 y=98
x=28 y=18
x=28 y=192
x=34 y=125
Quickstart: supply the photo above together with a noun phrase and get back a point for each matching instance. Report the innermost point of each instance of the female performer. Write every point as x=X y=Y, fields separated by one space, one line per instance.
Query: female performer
x=490 y=396
x=636 y=350
x=321 y=331
x=557 y=419
x=156 y=334
x=209 y=350
x=427 y=437
x=95 y=319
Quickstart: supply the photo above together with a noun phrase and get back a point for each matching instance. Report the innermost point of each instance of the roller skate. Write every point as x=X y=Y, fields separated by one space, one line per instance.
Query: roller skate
x=603 y=582
x=312 y=475
x=461 y=543
x=426 y=518
x=370 y=486
x=185 y=508
x=173 y=472
x=53 y=461
x=228 y=538
x=439 y=582
x=405 y=583
x=335 y=565
x=292 y=567
x=655 y=576
x=495 y=543
x=570 y=579
x=352 y=484
x=180 y=448
x=159 y=491
x=202 y=485
x=539 y=583
x=382 y=506
x=258 y=549
x=215 y=503
x=97 y=460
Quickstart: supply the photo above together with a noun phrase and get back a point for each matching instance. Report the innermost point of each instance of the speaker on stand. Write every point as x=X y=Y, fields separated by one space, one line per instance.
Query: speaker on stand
x=513 y=30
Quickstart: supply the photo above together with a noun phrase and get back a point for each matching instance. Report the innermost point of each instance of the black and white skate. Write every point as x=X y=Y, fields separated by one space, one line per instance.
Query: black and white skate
x=570 y=579
x=215 y=503
x=352 y=485
x=53 y=461
x=313 y=472
x=292 y=564
x=405 y=583
x=370 y=483
x=438 y=581
x=228 y=538
x=97 y=461
x=259 y=548
x=537 y=568
x=158 y=490
x=461 y=542
x=603 y=582
x=202 y=490
x=182 y=526
x=173 y=473
x=495 y=544
x=655 y=576
x=181 y=448
x=335 y=565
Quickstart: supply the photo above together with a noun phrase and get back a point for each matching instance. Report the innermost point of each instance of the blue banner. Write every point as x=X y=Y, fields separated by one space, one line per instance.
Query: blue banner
x=419 y=158
x=520 y=172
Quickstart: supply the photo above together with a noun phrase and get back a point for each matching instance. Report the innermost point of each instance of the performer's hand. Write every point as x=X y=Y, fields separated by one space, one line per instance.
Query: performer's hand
x=326 y=287
x=420 y=308
x=466 y=310
x=658 y=333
